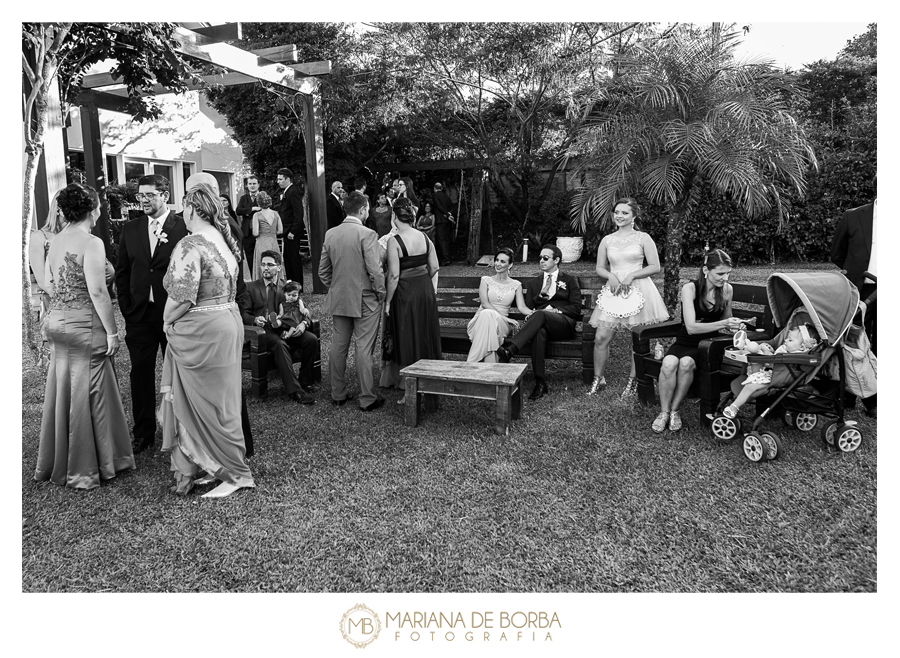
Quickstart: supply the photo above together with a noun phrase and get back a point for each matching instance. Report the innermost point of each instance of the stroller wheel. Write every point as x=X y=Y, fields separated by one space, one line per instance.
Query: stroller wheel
x=806 y=422
x=789 y=419
x=754 y=448
x=772 y=442
x=725 y=429
x=828 y=431
x=847 y=438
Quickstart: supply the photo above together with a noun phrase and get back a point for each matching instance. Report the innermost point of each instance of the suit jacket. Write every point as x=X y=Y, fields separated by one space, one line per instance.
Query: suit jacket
x=137 y=270
x=245 y=214
x=334 y=211
x=852 y=244
x=442 y=207
x=567 y=298
x=253 y=300
x=291 y=211
x=350 y=265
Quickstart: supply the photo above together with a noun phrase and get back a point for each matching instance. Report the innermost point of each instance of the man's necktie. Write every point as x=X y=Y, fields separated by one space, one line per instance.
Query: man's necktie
x=270 y=304
x=545 y=291
x=154 y=229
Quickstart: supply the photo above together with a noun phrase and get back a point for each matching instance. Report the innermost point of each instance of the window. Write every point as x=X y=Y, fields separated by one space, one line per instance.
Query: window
x=112 y=169
x=223 y=178
x=134 y=170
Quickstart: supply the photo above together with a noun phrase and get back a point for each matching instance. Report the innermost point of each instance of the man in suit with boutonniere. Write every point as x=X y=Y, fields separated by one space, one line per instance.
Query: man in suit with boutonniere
x=556 y=299
x=144 y=250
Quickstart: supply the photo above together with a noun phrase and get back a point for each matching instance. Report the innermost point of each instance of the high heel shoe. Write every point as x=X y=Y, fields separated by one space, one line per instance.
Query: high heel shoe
x=630 y=389
x=597 y=385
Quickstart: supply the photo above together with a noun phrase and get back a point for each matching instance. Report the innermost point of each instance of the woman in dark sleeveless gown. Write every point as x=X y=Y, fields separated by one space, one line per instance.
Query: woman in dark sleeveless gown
x=705 y=310
x=411 y=291
x=84 y=433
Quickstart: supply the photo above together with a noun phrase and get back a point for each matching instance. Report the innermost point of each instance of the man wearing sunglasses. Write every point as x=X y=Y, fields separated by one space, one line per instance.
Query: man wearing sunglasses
x=145 y=246
x=556 y=299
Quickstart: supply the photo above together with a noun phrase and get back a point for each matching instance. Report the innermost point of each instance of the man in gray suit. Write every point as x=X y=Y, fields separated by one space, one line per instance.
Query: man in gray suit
x=350 y=266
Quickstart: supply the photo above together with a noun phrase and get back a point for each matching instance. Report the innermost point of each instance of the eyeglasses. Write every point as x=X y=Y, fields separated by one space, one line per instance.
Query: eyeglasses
x=546 y=257
x=151 y=195
x=268 y=264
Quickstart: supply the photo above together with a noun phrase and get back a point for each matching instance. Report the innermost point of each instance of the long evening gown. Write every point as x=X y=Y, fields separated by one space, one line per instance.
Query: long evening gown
x=84 y=433
x=266 y=240
x=414 y=315
x=626 y=255
x=488 y=328
x=201 y=380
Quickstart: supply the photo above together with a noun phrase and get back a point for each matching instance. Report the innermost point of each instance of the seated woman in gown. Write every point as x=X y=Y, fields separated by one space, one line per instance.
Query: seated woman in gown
x=491 y=323
x=201 y=381
x=84 y=433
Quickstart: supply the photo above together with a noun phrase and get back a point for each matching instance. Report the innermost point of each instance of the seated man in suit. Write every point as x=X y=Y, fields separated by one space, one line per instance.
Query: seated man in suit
x=263 y=297
x=556 y=299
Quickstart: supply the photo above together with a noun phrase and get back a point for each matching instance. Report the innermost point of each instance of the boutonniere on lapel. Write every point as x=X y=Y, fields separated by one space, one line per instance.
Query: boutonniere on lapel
x=560 y=285
x=160 y=234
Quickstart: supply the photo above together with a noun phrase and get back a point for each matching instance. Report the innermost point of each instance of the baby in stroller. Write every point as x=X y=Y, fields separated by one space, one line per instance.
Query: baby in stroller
x=799 y=339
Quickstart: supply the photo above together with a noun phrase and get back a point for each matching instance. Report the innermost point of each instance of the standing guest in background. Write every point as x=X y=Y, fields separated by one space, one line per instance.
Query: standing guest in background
x=145 y=246
x=262 y=298
x=266 y=225
x=334 y=209
x=411 y=300
x=226 y=206
x=425 y=222
x=84 y=432
x=351 y=268
x=359 y=185
x=406 y=190
x=246 y=208
x=201 y=381
x=381 y=215
x=443 y=222
x=555 y=298
x=853 y=249
x=291 y=212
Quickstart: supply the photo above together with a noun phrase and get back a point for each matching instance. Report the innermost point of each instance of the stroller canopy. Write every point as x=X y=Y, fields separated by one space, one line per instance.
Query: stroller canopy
x=830 y=299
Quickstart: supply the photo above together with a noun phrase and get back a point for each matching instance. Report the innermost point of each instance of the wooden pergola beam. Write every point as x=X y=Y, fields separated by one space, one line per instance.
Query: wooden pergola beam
x=224 y=32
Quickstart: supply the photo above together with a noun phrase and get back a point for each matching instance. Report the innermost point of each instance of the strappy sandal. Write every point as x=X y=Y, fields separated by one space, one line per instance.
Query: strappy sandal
x=630 y=389
x=730 y=411
x=675 y=423
x=597 y=385
x=659 y=425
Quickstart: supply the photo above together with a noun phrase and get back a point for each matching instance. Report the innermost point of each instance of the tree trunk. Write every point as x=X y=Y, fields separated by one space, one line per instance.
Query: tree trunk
x=474 y=249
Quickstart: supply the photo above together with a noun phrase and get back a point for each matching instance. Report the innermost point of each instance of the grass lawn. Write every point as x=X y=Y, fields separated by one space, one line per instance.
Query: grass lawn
x=580 y=497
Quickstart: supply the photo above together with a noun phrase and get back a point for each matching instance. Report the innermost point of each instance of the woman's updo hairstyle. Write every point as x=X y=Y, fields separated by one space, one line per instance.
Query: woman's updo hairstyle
x=77 y=201
x=505 y=250
x=403 y=209
x=264 y=200
x=208 y=206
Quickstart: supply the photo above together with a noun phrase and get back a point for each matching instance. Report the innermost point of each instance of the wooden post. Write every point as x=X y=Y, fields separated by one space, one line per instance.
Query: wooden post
x=473 y=253
x=315 y=179
x=93 y=166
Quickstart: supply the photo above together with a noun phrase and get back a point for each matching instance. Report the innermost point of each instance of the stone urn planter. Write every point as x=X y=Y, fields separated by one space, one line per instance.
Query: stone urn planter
x=571 y=248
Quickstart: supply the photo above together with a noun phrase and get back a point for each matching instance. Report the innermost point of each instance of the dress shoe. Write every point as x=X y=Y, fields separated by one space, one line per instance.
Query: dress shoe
x=302 y=397
x=503 y=354
x=141 y=443
x=341 y=403
x=309 y=388
x=375 y=405
x=540 y=390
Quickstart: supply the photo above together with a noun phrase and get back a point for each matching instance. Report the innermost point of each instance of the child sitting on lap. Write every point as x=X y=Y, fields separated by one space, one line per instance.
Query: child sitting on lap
x=292 y=312
x=799 y=339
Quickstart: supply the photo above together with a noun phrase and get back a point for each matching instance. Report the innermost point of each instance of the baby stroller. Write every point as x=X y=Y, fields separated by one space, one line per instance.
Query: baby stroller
x=801 y=388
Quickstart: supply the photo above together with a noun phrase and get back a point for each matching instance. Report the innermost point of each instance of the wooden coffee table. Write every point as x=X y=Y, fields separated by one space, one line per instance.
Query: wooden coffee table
x=501 y=382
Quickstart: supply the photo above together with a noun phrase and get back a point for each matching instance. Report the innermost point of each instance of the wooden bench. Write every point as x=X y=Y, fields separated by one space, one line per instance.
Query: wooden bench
x=259 y=362
x=750 y=303
x=501 y=382
x=458 y=300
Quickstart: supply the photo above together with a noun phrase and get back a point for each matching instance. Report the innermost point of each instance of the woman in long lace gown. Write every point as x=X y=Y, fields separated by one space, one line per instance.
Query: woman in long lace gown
x=201 y=381
x=620 y=260
x=411 y=303
x=491 y=323
x=266 y=227
x=84 y=433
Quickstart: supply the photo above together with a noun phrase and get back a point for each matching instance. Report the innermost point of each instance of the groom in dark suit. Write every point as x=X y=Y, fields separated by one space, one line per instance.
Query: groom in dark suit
x=291 y=211
x=246 y=208
x=556 y=299
x=144 y=250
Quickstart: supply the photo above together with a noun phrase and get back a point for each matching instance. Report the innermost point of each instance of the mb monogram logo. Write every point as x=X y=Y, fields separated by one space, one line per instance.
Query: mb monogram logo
x=360 y=626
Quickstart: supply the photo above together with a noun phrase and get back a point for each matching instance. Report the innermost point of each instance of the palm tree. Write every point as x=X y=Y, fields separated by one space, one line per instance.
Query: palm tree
x=682 y=110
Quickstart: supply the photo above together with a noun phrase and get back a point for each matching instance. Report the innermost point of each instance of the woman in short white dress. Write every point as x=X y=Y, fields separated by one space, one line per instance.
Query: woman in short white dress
x=620 y=260
x=492 y=323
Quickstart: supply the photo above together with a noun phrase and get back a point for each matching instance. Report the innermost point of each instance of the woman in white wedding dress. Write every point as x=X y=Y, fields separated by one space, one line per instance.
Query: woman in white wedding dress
x=492 y=323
